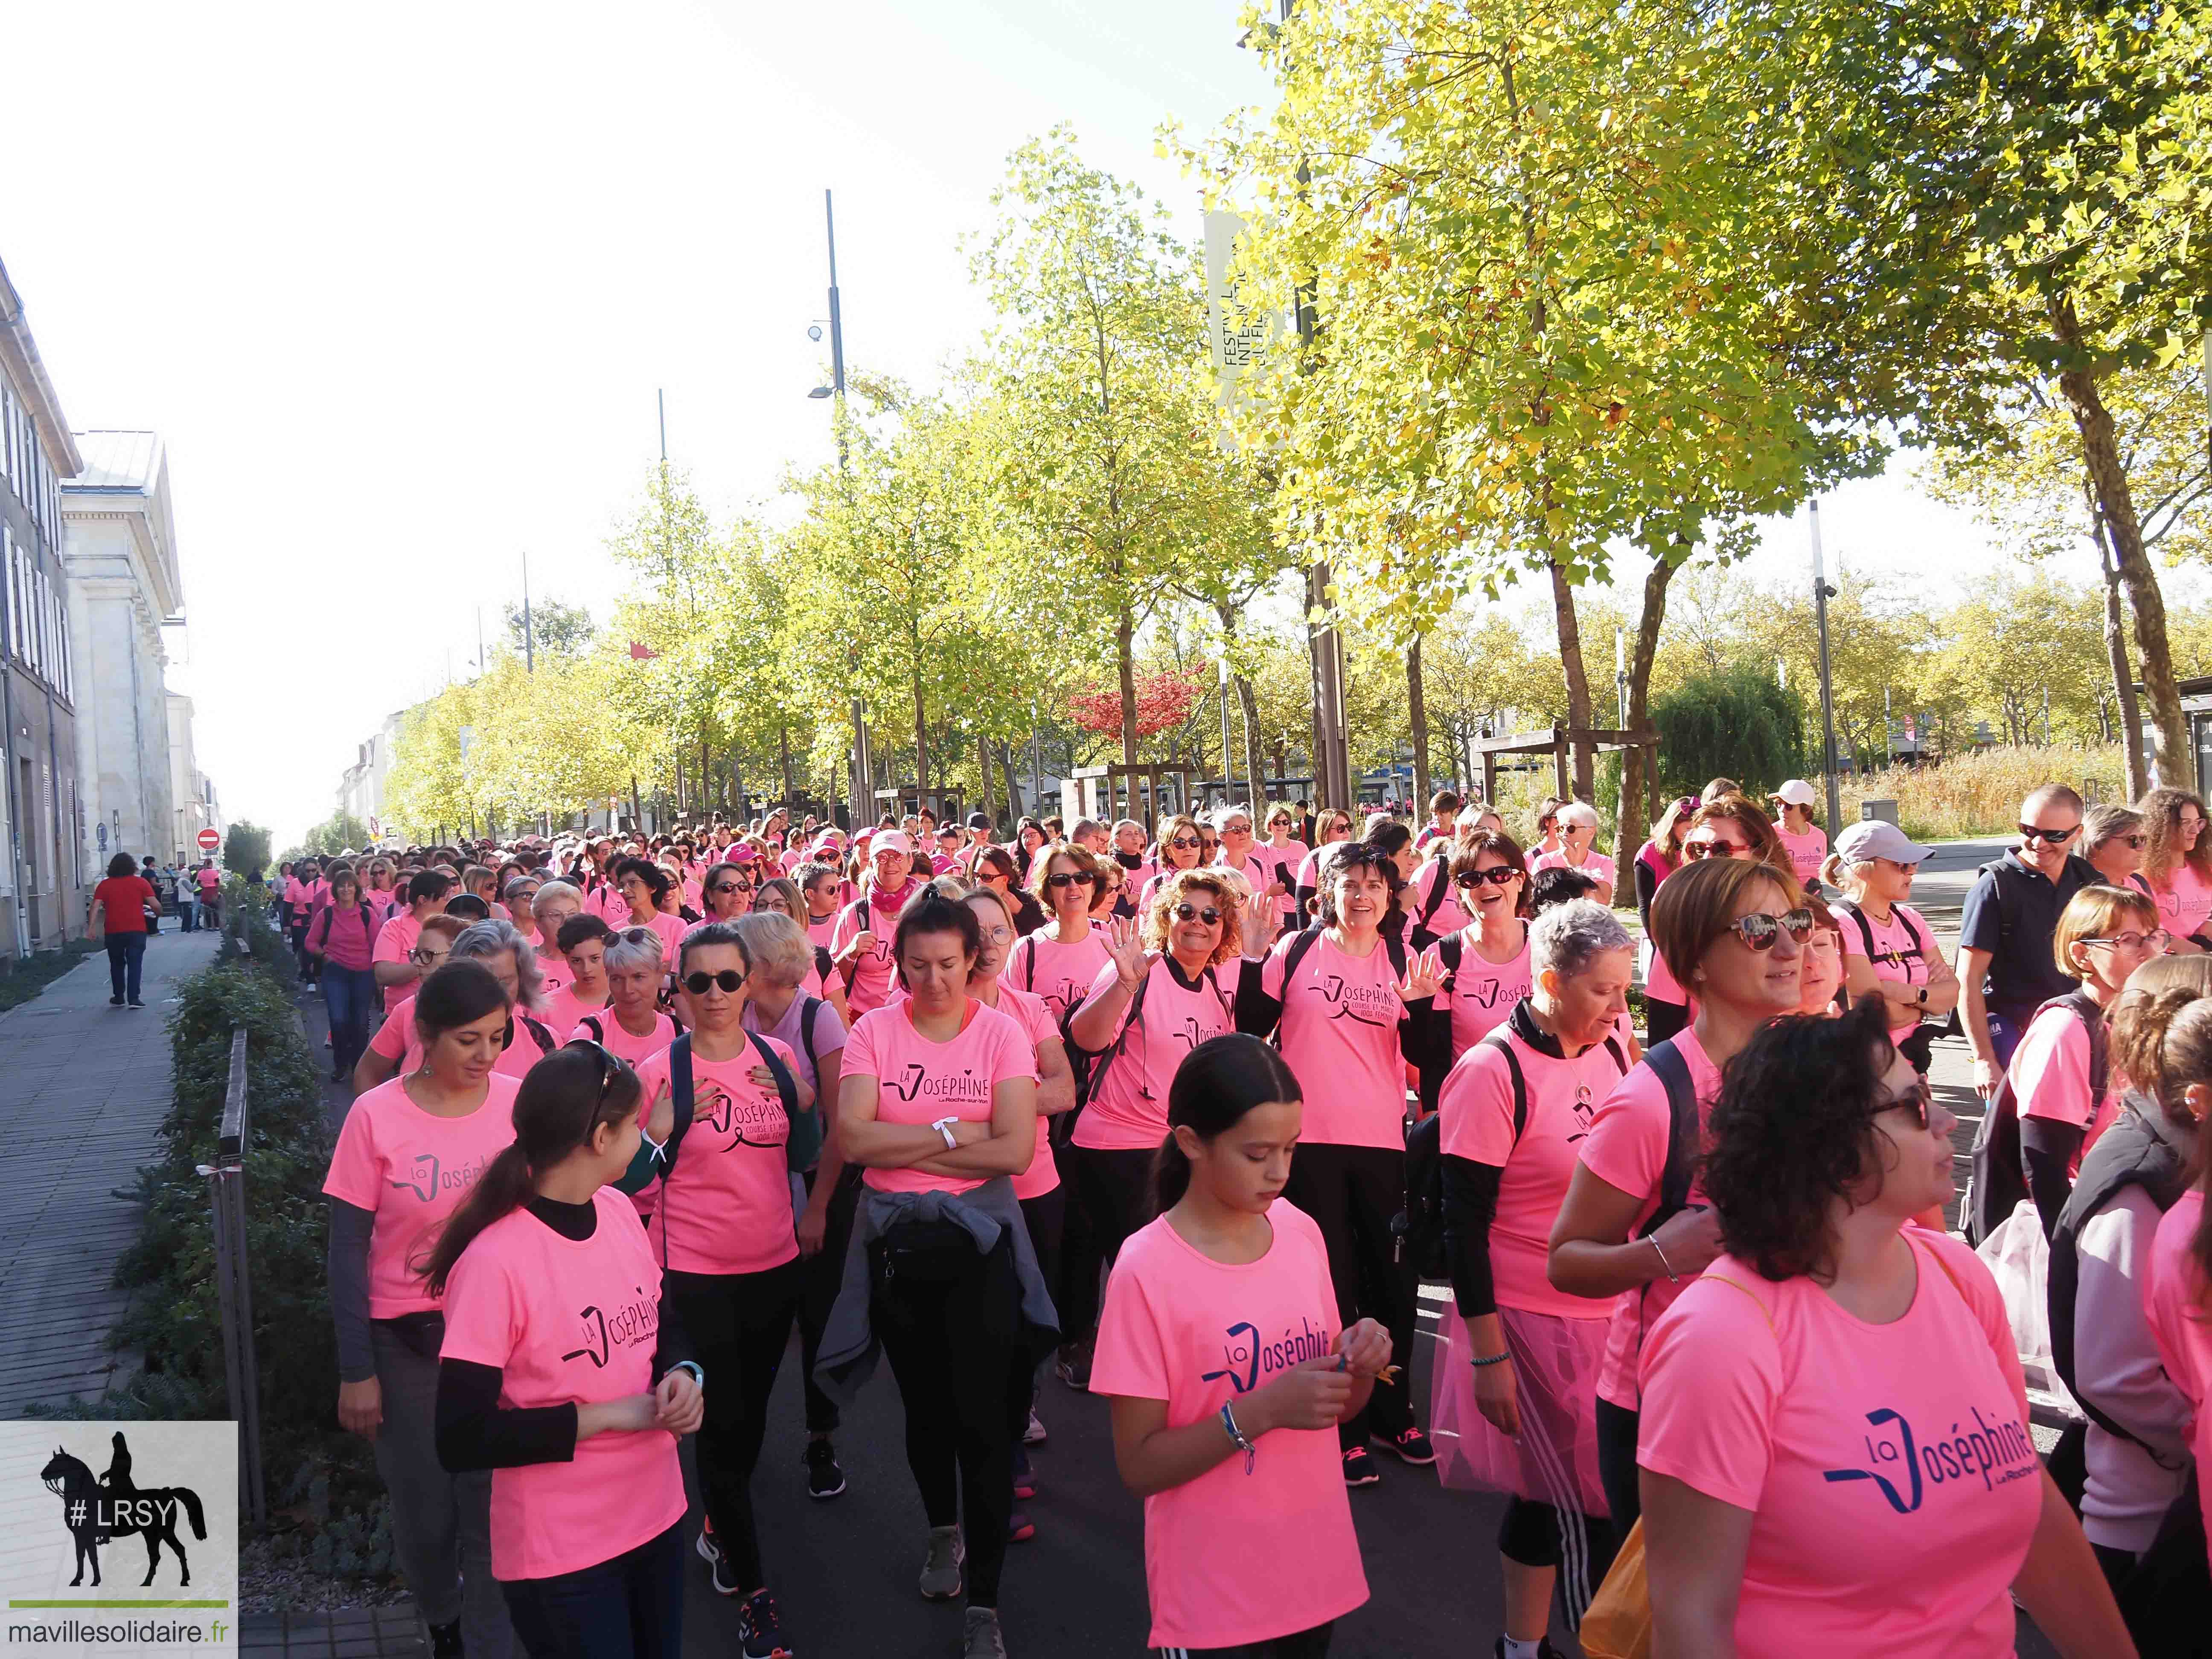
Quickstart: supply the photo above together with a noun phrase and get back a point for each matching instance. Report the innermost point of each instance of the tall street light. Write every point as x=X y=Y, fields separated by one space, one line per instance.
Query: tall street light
x=864 y=777
x=1821 y=594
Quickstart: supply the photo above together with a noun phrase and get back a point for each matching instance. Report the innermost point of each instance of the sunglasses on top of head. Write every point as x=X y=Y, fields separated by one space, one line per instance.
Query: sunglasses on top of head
x=1497 y=876
x=729 y=979
x=1758 y=930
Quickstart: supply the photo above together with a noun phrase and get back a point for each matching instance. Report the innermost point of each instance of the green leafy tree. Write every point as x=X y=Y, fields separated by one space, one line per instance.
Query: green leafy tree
x=245 y=848
x=1733 y=722
x=338 y=833
x=556 y=628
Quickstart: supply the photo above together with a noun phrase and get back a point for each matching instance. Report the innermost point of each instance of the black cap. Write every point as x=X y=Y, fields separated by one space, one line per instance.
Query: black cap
x=977 y=821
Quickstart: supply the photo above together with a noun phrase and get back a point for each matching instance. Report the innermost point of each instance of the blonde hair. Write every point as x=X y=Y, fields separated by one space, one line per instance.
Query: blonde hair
x=1224 y=884
x=2093 y=913
x=2161 y=1027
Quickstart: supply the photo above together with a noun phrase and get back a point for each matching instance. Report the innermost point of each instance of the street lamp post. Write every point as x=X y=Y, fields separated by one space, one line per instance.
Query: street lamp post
x=1821 y=594
x=864 y=776
x=1228 y=772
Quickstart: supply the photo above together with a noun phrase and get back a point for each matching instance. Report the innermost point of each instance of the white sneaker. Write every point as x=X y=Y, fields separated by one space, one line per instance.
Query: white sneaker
x=1033 y=1435
x=941 y=1576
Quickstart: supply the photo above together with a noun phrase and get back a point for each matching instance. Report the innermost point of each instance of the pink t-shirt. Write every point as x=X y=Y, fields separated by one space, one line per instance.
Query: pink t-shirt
x=2049 y=1074
x=1340 y=1034
x=1626 y=1148
x=1895 y=957
x=731 y=1188
x=1450 y=915
x=561 y=1010
x=347 y=938
x=1892 y=1484
x=2175 y=1305
x=1061 y=973
x=2184 y=903
x=1482 y=993
x=301 y=897
x=1036 y=1023
x=1476 y=1109
x=1233 y=1558
x=922 y=1081
x=1127 y=1110
x=819 y=930
x=1290 y=859
x=395 y=1040
x=618 y=1040
x=411 y=1169
x=671 y=930
x=1806 y=852
x=1598 y=866
x=395 y=940
x=872 y=977
x=554 y=973
x=569 y=1320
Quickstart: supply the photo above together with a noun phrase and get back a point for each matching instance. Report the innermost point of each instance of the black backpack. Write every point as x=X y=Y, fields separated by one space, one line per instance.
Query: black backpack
x=368 y=929
x=1997 y=1178
x=652 y=1162
x=1105 y=1061
x=1421 y=934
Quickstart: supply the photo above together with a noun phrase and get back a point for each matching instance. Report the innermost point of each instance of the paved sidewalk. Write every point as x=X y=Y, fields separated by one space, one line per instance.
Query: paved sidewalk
x=85 y=1088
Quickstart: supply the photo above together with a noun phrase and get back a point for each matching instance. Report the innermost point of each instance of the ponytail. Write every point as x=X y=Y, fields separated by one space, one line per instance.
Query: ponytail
x=2161 y=1042
x=563 y=1100
x=1218 y=1083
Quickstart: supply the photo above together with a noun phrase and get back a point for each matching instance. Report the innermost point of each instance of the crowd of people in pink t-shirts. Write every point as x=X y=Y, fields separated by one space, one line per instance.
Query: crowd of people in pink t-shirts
x=1183 y=1116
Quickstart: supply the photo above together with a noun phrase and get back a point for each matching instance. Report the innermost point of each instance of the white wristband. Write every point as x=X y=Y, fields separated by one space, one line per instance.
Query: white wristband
x=944 y=1127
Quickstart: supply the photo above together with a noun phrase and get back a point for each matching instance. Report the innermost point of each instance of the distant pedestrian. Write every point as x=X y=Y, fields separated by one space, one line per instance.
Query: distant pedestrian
x=210 y=894
x=123 y=908
x=1807 y=841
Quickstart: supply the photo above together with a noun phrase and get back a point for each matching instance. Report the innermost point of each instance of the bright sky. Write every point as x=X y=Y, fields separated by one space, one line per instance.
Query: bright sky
x=398 y=287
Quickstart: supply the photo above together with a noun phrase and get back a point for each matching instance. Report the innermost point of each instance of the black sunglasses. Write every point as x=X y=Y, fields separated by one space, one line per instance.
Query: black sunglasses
x=1070 y=878
x=1185 y=842
x=2031 y=835
x=729 y=979
x=1713 y=849
x=1209 y=915
x=1758 y=930
x=1497 y=876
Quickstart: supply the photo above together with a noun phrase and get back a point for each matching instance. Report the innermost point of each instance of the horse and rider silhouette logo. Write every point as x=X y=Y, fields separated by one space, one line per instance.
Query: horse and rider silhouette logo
x=98 y=1510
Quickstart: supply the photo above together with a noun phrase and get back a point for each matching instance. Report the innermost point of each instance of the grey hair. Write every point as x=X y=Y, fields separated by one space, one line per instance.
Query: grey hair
x=2100 y=824
x=1219 y=816
x=623 y=952
x=776 y=944
x=551 y=892
x=1578 y=811
x=1568 y=938
x=480 y=939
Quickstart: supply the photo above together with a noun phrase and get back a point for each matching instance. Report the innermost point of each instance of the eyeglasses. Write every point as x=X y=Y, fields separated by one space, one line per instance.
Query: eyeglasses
x=1209 y=915
x=1758 y=930
x=422 y=958
x=2031 y=835
x=1000 y=935
x=1497 y=876
x=2158 y=939
x=729 y=979
x=1070 y=878
x=1184 y=843
x=1919 y=1100
x=1715 y=848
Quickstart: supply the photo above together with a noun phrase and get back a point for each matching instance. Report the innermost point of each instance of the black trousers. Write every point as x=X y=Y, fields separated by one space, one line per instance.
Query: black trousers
x=738 y=1324
x=1663 y=1020
x=1046 y=1218
x=1352 y=1193
x=629 y=1607
x=1305 y=1644
x=1115 y=1190
x=821 y=1276
x=951 y=1331
x=1616 y=1464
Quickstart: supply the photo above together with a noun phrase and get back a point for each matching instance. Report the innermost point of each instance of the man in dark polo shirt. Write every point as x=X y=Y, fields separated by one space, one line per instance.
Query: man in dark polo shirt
x=2005 y=963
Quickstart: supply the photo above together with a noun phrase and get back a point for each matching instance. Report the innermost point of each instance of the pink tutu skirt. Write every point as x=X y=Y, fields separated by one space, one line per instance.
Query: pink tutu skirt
x=1555 y=1363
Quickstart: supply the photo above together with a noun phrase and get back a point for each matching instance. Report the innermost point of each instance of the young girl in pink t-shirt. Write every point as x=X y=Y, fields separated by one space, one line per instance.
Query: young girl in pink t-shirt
x=410 y=1150
x=559 y=1373
x=1834 y=1440
x=1514 y=1383
x=1222 y=1354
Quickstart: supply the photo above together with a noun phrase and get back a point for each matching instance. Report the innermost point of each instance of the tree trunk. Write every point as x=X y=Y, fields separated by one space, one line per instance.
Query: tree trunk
x=1639 y=771
x=1578 y=691
x=983 y=775
x=1255 y=759
x=783 y=751
x=1124 y=662
x=1417 y=710
x=921 y=736
x=2129 y=716
x=2116 y=508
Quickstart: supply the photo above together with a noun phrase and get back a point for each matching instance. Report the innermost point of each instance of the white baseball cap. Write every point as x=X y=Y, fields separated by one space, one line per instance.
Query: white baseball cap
x=1798 y=793
x=1877 y=838
x=891 y=841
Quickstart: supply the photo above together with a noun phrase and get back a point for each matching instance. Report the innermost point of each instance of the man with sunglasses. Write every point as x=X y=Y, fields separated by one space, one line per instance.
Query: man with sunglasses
x=2006 y=968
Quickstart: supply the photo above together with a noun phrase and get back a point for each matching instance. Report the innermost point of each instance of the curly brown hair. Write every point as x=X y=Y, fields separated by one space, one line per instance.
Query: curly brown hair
x=1229 y=895
x=1794 y=1128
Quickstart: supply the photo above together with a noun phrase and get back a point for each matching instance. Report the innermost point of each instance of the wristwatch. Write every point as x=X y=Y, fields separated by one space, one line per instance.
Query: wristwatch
x=1923 y=996
x=944 y=1127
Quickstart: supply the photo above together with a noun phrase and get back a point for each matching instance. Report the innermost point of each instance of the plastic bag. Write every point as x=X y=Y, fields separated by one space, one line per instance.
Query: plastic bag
x=1619 y=1623
x=2019 y=1258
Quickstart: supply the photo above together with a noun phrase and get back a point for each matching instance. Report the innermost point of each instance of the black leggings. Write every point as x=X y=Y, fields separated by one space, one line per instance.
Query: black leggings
x=1662 y=1020
x=1616 y=1464
x=1352 y=1193
x=1305 y=1644
x=952 y=1333
x=738 y=1324
x=1046 y=1217
x=821 y=1277
x=1580 y=1547
x=1115 y=1190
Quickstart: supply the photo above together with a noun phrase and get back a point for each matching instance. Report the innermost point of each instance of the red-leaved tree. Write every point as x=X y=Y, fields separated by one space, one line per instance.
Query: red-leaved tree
x=1164 y=700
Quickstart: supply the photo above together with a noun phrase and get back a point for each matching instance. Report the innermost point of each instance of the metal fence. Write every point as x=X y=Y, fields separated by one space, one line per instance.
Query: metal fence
x=226 y=1197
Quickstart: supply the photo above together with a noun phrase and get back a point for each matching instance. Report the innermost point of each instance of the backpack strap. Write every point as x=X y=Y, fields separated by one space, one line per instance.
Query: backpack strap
x=1666 y=1063
x=1450 y=949
x=1396 y=944
x=787 y=1086
x=538 y=1034
x=1503 y=1044
x=2083 y=1007
x=1302 y=942
x=808 y=1008
x=1439 y=890
x=1029 y=964
x=1613 y=1048
x=591 y=1023
x=682 y=1097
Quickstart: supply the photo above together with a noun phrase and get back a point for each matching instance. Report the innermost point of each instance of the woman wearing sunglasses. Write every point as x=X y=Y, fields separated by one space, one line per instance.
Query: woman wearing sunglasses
x=1889 y=950
x=2178 y=864
x=2112 y=839
x=1666 y=1009
x=727 y=892
x=1836 y=1454
x=452 y=1112
x=1738 y=929
x=1262 y=872
x=1577 y=821
x=1486 y=962
x=1061 y=962
x=573 y=1424
x=1169 y=984
x=721 y=1228
x=1181 y=846
x=995 y=869
x=1333 y=826
x=937 y=1102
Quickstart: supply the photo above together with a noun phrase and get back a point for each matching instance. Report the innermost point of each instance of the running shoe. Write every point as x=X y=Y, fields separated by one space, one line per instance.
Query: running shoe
x=759 y=1628
x=725 y=1575
x=445 y=1641
x=825 y=1477
x=1033 y=1435
x=1410 y=1447
x=1073 y=1367
x=982 y=1640
x=1544 y=1650
x=1360 y=1468
x=940 y=1571
x=709 y=1551
x=1020 y=1528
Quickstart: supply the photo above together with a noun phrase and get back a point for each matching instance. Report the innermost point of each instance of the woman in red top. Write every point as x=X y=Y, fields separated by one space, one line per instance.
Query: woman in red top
x=118 y=910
